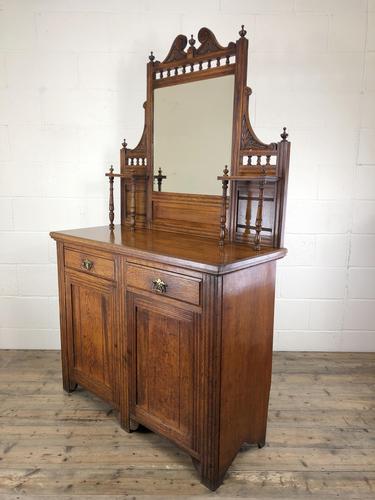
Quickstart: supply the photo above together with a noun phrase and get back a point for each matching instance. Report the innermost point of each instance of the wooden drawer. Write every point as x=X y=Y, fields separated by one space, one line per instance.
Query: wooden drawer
x=183 y=288
x=91 y=264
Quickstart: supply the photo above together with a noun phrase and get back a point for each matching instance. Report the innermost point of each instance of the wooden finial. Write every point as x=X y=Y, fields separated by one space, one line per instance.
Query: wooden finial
x=124 y=143
x=191 y=41
x=160 y=178
x=111 y=169
x=242 y=32
x=151 y=56
x=284 y=135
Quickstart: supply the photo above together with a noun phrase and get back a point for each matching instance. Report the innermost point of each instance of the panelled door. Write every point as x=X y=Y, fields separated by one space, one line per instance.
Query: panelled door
x=163 y=343
x=91 y=328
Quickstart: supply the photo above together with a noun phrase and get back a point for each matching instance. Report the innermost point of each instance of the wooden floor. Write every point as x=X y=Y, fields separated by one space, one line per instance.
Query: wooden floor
x=320 y=443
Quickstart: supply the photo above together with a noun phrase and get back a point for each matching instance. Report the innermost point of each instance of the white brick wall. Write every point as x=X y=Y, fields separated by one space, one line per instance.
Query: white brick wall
x=72 y=84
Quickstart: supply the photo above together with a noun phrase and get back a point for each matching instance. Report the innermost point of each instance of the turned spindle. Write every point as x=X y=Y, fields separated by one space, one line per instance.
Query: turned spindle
x=132 y=204
x=111 y=204
x=223 y=216
x=259 y=217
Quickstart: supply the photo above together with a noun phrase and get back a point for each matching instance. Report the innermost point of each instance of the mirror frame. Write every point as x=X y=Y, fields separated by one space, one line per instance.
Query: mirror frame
x=200 y=214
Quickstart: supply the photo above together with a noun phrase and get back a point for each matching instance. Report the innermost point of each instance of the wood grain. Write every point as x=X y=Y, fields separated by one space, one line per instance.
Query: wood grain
x=56 y=446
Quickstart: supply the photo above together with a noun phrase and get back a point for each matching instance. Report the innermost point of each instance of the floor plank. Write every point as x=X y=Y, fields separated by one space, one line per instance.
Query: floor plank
x=320 y=441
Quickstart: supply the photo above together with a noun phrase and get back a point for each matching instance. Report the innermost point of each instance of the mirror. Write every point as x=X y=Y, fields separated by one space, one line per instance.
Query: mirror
x=193 y=134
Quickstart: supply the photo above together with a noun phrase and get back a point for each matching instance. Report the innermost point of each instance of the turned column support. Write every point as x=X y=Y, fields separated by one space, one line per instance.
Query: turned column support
x=111 y=205
x=132 y=203
x=223 y=216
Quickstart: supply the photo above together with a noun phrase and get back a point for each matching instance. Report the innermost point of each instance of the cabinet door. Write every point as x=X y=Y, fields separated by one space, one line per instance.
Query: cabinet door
x=163 y=342
x=91 y=328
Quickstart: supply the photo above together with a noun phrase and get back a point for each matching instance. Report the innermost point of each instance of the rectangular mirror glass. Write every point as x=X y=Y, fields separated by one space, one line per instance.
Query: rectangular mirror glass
x=193 y=134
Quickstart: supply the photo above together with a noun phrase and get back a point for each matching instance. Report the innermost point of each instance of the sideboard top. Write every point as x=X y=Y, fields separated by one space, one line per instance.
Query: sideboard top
x=189 y=251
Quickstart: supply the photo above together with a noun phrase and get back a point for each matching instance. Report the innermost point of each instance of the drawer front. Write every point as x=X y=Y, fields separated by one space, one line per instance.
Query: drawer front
x=91 y=264
x=173 y=285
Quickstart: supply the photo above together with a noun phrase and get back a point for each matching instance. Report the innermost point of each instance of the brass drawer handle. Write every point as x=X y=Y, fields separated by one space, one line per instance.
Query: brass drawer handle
x=159 y=285
x=87 y=264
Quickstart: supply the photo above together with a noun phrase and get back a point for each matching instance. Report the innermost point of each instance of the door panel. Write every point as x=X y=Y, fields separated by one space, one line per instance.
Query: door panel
x=91 y=328
x=164 y=339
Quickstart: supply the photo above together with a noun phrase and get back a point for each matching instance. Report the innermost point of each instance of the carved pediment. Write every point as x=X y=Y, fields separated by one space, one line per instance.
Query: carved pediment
x=177 y=52
x=209 y=42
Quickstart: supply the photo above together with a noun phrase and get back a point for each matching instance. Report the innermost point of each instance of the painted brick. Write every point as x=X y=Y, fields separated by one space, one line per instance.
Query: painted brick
x=27 y=248
x=370 y=71
x=8 y=280
x=362 y=250
x=364 y=217
x=366 y=154
x=308 y=341
x=292 y=314
x=331 y=6
x=4 y=144
x=312 y=283
x=20 y=107
x=22 y=312
x=370 y=45
x=257 y=6
x=179 y=7
x=48 y=214
x=326 y=315
x=72 y=84
x=347 y=31
x=368 y=110
x=17 y=28
x=335 y=181
x=37 y=280
x=357 y=341
x=41 y=69
x=365 y=183
x=32 y=175
x=301 y=250
x=298 y=32
x=361 y=283
x=325 y=72
x=64 y=30
x=3 y=78
x=359 y=315
x=332 y=250
x=318 y=216
x=26 y=338
x=6 y=214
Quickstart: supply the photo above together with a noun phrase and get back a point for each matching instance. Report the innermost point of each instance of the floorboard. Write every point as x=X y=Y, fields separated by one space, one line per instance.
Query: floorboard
x=320 y=441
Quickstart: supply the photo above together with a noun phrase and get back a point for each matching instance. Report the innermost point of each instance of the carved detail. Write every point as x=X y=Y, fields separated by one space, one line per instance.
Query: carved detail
x=209 y=42
x=141 y=147
x=177 y=52
x=248 y=138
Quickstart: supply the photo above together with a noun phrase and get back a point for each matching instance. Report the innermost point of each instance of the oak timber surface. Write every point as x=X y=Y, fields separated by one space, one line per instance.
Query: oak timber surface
x=320 y=441
x=190 y=251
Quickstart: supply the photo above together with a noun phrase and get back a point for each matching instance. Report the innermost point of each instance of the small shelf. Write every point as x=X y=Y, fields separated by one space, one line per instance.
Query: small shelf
x=266 y=178
x=128 y=175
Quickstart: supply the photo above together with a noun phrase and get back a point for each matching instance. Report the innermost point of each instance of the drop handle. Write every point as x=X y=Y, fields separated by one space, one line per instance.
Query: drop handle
x=87 y=264
x=158 y=285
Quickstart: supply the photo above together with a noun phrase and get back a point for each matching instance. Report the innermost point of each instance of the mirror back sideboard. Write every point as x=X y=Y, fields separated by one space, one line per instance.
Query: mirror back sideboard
x=168 y=316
